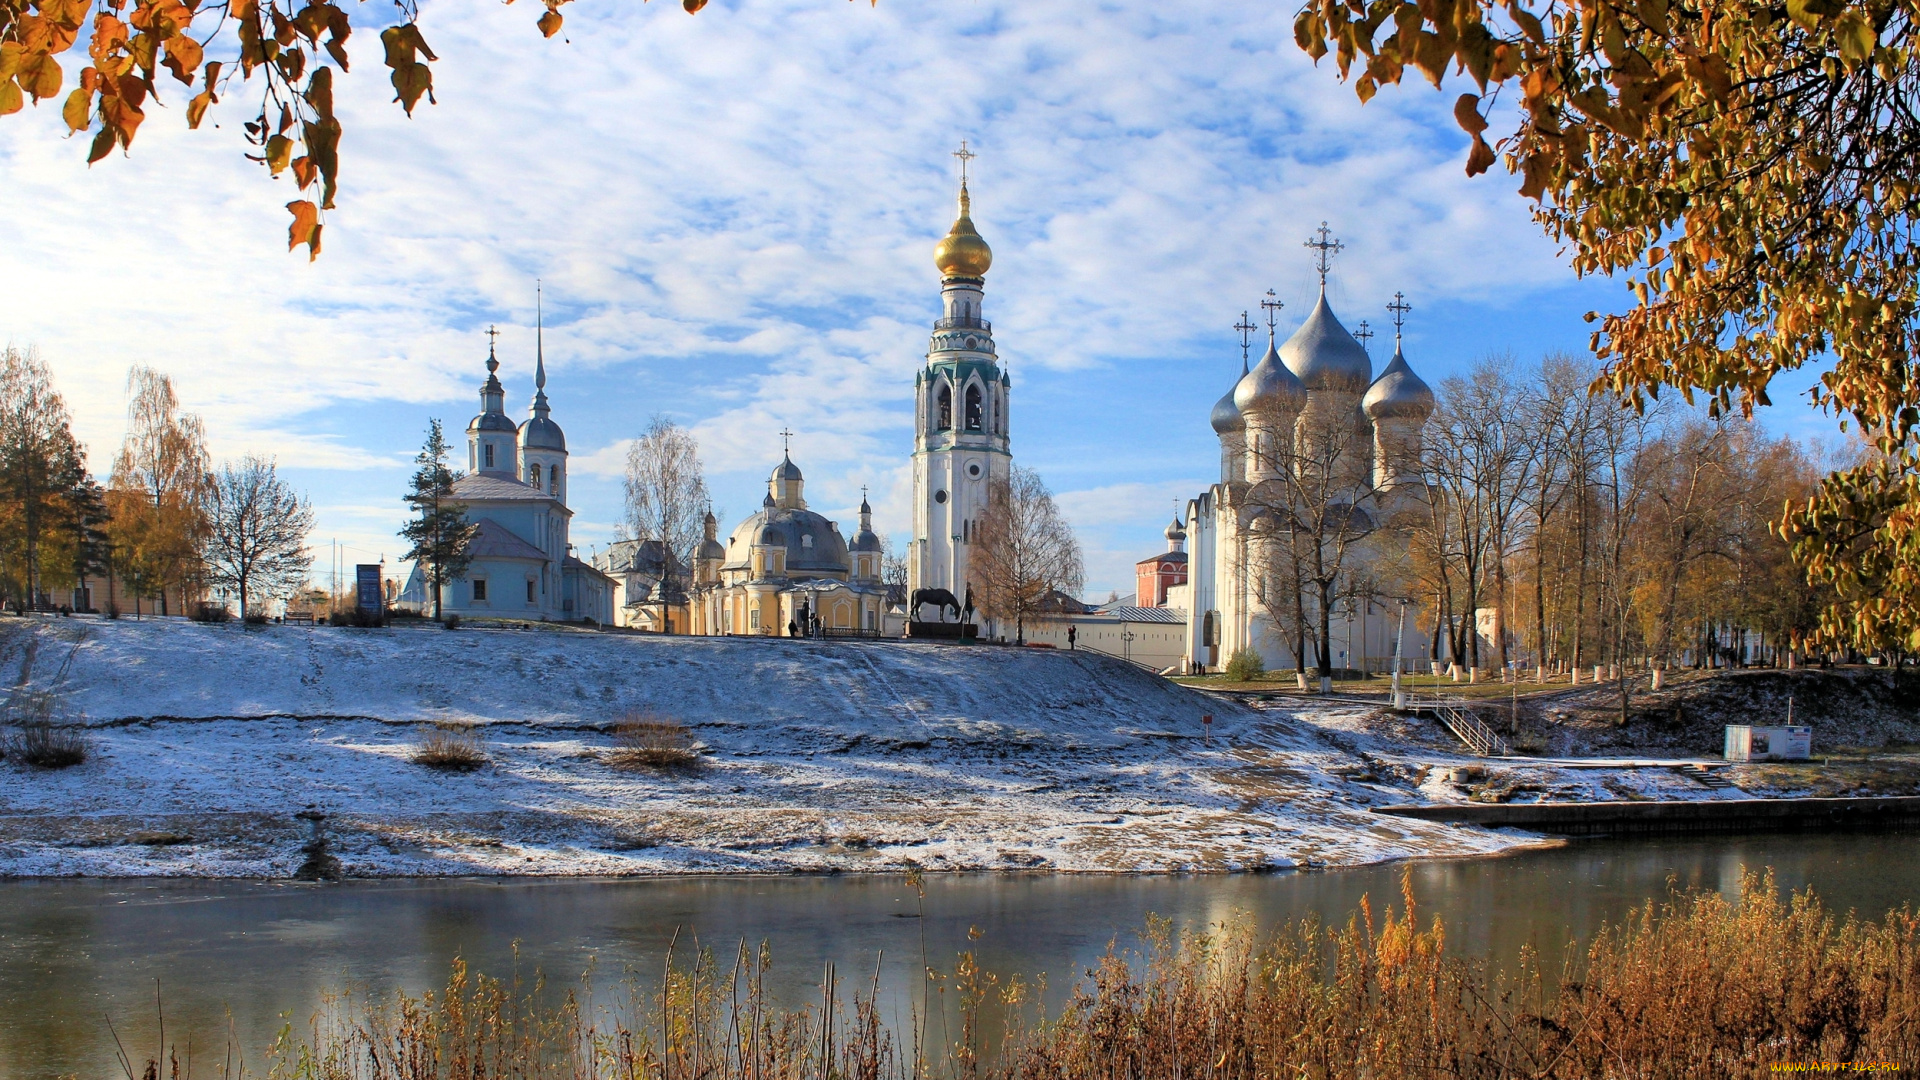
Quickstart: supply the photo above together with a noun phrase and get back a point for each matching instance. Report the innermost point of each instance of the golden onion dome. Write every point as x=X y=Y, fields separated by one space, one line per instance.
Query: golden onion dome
x=962 y=253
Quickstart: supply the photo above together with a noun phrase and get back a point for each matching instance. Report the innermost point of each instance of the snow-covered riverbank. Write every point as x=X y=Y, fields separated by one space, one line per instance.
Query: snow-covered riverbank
x=206 y=740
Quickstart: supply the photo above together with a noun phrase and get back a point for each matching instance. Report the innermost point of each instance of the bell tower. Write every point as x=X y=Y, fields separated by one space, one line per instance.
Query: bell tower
x=961 y=423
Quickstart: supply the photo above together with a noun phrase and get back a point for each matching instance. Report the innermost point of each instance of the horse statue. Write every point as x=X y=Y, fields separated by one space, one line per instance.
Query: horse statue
x=941 y=597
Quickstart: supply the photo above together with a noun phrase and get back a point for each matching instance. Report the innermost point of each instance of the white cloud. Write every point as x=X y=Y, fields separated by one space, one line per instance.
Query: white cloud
x=733 y=216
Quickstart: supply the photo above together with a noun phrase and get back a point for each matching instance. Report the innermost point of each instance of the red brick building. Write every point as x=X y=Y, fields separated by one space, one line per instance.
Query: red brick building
x=1154 y=576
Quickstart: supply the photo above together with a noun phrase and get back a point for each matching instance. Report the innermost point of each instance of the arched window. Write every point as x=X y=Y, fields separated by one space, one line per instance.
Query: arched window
x=533 y=474
x=973 y=407
x=488 y=450
x=943 y=409
x=553 y=478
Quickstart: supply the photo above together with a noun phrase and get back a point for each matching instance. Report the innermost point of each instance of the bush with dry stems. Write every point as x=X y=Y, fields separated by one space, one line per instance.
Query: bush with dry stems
x=1698 y=986
x=44 y=733
x=450 y=746
x=652 y=741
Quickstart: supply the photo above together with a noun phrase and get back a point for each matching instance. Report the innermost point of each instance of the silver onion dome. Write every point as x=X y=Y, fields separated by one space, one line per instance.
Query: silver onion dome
x=1398 y=392
x=1324 y=356
x=1226 y=416
x=1269 y=387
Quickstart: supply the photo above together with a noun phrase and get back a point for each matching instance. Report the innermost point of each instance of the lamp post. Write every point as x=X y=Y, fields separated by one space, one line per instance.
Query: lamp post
x=1399 y=636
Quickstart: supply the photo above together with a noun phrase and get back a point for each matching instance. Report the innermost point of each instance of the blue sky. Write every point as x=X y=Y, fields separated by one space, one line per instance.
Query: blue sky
x=733 y=216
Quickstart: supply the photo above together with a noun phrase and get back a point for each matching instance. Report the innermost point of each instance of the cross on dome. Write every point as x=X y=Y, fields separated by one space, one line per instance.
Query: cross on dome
x=1399 y=307
x=1246 y=328
x=1365 y=335
x=965 y=155
x=493 y=336
x=786 y=442
x=1273 y=304
x=1325 y=248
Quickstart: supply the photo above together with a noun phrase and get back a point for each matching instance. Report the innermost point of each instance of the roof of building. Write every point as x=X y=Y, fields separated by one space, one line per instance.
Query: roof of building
x=813 y=543
x=1399 y=392
x=1270 y=387
x=1226 y=418
x=1324 y=355
x=1145 y=614
x=541 y=433
x=493 y=541
x=1164 y=557
x=495 y=487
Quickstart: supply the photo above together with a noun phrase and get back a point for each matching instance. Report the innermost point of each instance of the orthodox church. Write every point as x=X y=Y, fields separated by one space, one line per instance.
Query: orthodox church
x=787 y=571
x=1310 y=423
x=962 y=398
x=515 y=490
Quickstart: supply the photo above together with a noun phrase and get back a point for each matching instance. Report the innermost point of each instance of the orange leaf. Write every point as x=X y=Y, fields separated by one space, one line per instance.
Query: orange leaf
x=550 y=24
x=305 y=228
x=1466 y=112
x=1480 y=158
x=693 y=6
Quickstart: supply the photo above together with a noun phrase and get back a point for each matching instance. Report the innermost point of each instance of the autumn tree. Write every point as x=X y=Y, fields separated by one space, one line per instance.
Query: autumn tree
x=157 y=494
x=1023 y=550
x=257 y=526
x=440 y=534
x=48 y=506
x=1750 y=168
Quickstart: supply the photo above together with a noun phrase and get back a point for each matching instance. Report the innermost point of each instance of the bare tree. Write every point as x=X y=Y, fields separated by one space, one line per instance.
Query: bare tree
x=1024 y=550
x=667 y=496
x=1308 y=523
x=257 y=528
x=893 y=566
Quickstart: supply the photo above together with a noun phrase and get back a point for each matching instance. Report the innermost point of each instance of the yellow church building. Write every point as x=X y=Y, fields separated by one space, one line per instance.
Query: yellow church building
x=786 y=571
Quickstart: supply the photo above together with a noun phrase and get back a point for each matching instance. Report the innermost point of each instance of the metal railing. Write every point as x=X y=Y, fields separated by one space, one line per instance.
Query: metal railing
x=1471 y=730
x=963 y=322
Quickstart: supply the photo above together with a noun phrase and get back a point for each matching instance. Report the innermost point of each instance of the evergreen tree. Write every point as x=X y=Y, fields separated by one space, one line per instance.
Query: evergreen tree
x=42 y=477
x=440 y=533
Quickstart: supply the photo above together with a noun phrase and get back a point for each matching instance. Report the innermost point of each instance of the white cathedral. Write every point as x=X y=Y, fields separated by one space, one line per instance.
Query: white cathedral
x=1310 y=423
x=515 y=490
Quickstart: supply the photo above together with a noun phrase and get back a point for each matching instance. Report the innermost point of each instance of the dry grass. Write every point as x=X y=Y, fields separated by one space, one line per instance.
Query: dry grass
x=1699 y=986
x=40 y=744
x=45 y=734
x=452 y=747
x=652 y=741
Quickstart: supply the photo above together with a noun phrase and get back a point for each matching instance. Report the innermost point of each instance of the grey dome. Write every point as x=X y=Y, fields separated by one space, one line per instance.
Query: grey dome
x=711 y=549
x=791 y=527
x=1324 y=355
x=1226 y=415
x=786 y=470
x=868 y=540
x=1398 y=392
x=492 y=421
x=1269 y=387
x=540 y=433
x=1176 y=531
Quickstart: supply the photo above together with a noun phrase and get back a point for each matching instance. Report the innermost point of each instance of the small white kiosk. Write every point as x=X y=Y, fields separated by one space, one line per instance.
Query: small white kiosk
x=1789 y=742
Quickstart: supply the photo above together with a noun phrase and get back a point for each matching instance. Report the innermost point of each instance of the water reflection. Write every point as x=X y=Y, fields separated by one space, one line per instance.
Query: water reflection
x=74 y=952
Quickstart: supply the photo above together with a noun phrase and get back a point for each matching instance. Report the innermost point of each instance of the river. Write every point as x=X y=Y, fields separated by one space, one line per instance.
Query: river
x=74 y=953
